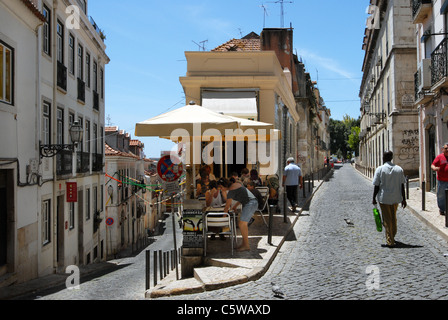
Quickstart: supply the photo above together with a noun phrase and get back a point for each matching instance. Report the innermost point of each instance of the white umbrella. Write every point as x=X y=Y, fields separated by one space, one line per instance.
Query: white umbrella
x=187 y=118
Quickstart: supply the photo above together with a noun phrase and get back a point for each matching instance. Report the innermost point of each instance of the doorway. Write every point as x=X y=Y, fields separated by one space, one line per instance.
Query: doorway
x=60 y=231
x=431 y=156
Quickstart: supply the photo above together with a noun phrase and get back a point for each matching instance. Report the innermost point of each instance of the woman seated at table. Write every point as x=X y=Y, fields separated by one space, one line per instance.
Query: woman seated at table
x=202 y=185
x=236 y=191
x=215 y=198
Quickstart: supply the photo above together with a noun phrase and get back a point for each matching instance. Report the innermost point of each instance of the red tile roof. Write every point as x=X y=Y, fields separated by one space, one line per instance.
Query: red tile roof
x=251 y=42
x=109 y=151
x=33 y=7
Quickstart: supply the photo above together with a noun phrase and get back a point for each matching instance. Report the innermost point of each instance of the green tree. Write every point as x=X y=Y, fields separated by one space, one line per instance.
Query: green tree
x=340 y=132
x=353 y=140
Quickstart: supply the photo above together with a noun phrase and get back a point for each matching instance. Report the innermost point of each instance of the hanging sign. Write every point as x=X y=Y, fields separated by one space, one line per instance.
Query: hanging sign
x=168 y=170
x=72 y=191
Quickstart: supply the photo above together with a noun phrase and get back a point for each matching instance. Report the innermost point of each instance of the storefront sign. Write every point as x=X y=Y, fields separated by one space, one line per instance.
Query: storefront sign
x=72 y=191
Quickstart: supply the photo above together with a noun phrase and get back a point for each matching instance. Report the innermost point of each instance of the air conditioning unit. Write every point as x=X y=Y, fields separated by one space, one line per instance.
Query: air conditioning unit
x=424 y=70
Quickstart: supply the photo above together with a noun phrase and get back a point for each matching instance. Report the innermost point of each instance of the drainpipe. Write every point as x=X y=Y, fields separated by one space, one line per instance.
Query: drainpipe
x=38 y=118
x=54 y=132
x=283 y=160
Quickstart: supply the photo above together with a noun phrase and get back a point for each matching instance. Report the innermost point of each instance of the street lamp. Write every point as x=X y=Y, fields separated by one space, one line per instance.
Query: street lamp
x=50 y=150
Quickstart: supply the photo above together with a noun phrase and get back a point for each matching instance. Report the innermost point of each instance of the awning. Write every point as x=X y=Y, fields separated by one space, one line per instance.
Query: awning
x=231 y=102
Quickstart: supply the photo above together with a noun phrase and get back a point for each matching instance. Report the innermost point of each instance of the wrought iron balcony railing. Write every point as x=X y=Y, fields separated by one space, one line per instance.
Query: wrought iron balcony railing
x=439 y=62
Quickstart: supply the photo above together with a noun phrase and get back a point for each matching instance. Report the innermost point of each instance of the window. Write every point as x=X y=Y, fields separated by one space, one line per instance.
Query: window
x=46 y=222
x=71 y=54
x=88 y=204
x=81 y=144
x=102 y=82
x=95 y=199
x=60 y=36
x=83 y=5
x=60 y=124
x=6 y=73
x=95 y=76
x=80 y=62
x=88 y=70
x=46 y=45
x=95 y=138
x=88 y=136
x=46 y=120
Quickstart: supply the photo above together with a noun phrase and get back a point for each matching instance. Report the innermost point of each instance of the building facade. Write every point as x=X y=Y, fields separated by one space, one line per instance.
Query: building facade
x=127 y=203
x=431 y=82
x=53 y=74
x=259 y=78
x=389 y=120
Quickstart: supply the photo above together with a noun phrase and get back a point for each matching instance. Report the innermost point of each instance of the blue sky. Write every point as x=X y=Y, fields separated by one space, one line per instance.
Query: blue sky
x=146 y=41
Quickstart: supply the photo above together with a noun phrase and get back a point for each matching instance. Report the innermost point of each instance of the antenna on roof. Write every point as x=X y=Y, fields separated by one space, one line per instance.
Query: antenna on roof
x=282 y=11
x=264 y=14
x=241 y=32
x=201 y=44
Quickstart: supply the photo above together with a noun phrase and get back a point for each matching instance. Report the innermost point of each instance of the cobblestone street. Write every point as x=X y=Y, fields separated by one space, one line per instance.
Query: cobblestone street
x=324 y=258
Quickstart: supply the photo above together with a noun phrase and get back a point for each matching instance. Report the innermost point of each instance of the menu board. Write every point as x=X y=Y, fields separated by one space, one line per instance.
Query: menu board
x=192 y=231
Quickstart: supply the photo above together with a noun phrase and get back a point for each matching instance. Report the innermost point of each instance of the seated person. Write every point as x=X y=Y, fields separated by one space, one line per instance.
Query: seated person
x=208 y=170
x=202 y=185
x=215 y=198
x=251 y=187
x=254 y=177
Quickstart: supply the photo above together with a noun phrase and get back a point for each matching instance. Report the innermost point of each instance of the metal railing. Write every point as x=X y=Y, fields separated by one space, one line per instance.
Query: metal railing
x=439 y=62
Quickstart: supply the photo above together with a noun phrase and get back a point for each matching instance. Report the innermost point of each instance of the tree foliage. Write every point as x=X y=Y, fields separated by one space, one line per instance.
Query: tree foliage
x=344 y=136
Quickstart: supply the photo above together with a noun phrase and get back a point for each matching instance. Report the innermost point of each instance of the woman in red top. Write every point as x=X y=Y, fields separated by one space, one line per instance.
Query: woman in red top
x=440 y=165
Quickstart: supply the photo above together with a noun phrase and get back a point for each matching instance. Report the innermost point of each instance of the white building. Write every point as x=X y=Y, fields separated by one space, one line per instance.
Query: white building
x=126 y=205
x=389 y=120
x=431 y=82
x=52 y=74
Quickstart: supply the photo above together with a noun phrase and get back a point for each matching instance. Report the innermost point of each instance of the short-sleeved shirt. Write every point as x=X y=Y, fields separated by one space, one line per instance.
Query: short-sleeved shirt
x=442 y=162
x=390 y=178
x=242 y=195
x=292 y=173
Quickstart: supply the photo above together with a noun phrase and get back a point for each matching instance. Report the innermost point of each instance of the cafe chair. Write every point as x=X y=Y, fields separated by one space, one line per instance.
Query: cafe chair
x=264 y=191
x=220 y=220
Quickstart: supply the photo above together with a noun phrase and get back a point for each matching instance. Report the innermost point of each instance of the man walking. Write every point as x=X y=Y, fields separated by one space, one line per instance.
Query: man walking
x=292 y=177
x=389 y=181
x=440 y=166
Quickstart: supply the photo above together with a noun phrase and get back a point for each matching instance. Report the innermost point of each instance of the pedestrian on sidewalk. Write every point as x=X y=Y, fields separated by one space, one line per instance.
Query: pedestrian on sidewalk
x=440 y=166
x=292 y=178
x=389 y=182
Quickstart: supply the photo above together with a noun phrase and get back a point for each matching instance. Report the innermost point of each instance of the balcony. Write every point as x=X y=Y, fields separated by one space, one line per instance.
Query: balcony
x=81 y=91
x=64 y=163
x=420 y=10
x=62 y=76
x=439 y=74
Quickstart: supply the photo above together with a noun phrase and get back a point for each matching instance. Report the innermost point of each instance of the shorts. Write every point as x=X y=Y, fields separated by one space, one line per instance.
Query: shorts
x=248 y=210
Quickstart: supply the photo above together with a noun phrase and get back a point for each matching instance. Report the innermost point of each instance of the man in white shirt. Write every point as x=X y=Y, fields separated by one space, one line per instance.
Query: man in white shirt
x=389 y=183
x=292 y=178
